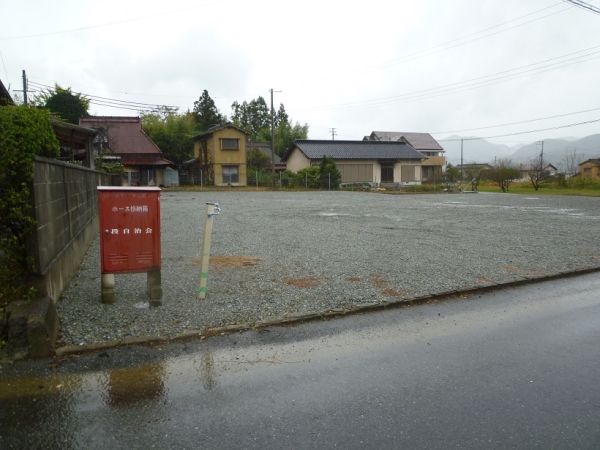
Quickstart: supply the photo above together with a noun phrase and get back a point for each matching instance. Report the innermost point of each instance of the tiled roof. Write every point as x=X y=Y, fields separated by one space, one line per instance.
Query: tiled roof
x=5 y=97
x=420 y=141
x=265 y=147
x=211 y=130
x=315 y=149
x=125 y=134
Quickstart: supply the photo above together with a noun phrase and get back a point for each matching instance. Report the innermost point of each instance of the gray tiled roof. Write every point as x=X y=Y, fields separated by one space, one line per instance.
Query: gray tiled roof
x=314 y=149
x=420 y=141
x=214 y=128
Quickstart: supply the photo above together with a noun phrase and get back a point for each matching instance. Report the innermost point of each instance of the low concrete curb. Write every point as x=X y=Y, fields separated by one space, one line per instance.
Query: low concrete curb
x=295 y=319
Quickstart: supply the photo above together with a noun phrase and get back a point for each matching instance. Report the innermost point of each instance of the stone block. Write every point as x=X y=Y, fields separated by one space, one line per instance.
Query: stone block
x=17 y=315
x=42 y=327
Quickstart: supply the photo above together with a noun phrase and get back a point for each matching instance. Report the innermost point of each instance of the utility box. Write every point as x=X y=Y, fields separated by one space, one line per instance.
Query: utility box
x=129 y=236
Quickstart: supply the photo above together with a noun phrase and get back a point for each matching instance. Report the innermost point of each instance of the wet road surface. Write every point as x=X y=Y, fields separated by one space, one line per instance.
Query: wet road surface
x=518 y=368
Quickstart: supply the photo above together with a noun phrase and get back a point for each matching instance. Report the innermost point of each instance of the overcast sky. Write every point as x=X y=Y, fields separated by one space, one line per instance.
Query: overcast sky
x=406 y=65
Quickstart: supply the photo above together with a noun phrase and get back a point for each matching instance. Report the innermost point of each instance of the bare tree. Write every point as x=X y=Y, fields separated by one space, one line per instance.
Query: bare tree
x=474 y=172
x=503 y=173
x=572 y=161
x=535 y=172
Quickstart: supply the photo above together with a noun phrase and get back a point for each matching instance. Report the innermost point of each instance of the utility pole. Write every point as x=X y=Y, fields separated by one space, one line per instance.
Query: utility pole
x=461 y=161
x=24 y=88
x=273 y=138
x=333 y=133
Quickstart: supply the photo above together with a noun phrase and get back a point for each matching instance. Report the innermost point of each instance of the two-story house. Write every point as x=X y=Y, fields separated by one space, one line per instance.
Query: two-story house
x=220 y=152
x=424 y=143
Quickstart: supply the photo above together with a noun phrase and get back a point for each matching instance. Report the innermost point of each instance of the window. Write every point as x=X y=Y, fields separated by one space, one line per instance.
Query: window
x=230 y=174
x=230 y=144
x=587 y=170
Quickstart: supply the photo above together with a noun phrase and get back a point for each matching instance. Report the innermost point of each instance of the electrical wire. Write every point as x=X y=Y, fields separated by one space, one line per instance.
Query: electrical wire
x=524 y=132
x=114 y=103
x=517 y=123
x=135 y=19
x=423 y=53
x=456 y=87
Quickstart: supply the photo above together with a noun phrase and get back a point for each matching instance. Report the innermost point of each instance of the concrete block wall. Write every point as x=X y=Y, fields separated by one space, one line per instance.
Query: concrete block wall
x=65 y=206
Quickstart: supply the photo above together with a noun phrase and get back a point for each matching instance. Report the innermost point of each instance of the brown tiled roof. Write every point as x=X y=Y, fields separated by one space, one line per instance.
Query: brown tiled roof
x=420 y=141
x=125 y=134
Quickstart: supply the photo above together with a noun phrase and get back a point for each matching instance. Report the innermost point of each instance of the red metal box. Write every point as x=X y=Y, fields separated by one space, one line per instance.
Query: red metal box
x=129 y=229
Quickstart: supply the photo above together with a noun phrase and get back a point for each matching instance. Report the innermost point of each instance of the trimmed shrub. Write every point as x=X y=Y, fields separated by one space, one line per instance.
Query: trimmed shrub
x=24 y=133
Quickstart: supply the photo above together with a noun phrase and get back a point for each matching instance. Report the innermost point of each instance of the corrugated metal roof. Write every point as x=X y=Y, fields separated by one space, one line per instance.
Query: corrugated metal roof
x=315 y=149
x=420 y=141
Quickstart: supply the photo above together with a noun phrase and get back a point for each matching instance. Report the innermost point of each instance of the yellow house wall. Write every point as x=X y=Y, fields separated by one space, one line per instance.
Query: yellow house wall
x=595 y=172
x=218 y=157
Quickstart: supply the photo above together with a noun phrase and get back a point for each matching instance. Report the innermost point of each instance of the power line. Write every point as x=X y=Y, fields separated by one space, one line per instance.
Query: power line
x=524 y=132
x=422 y=53
x=462 y=85
x=114 y=103
x=517 y=123
x=584 y=5
x=135 y=19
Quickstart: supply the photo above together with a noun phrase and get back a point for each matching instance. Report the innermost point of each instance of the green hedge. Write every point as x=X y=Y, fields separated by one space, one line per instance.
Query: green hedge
x=24 y=133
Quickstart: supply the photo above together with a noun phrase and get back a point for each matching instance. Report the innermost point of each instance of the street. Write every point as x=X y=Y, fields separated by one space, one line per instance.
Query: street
x=516 y=368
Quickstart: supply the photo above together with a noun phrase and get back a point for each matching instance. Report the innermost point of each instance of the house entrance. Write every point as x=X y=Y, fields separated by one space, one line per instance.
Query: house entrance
x=387 y=173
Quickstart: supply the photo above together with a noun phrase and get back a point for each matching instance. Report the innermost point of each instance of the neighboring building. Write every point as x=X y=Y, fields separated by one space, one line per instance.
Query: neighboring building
x=122 y=138
x=423 y=143
x=5 y=98
x=220 y=152
x=360 y=161
x=266 y=148
x=550 y=170
x=76 y=143
x=590 y=168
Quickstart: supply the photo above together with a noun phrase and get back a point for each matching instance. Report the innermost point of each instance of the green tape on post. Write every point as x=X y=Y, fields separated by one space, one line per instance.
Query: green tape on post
x=204 y=275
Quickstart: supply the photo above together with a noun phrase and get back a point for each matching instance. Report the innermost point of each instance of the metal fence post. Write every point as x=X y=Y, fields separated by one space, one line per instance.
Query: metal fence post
x=212 y=209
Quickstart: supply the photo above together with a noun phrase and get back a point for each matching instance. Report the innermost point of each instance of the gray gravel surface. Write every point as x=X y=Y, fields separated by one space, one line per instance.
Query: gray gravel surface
x=275 y=254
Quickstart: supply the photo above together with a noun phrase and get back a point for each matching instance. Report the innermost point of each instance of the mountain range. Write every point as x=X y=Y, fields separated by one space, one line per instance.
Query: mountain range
x=555 y=151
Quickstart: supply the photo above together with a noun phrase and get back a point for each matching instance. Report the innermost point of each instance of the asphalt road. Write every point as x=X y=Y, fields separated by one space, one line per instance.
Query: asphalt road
x=518 y=368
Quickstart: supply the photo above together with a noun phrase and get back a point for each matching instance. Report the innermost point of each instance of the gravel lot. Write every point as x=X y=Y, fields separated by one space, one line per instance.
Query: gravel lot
x=275 y=254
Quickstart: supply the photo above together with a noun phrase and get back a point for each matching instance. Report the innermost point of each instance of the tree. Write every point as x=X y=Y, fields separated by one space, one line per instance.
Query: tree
x=254 y=117
x=572 y=161
x=257 y=159
x=281 y=116
x=67 y=105
x=474 y=173
x=206 y=113
x=450 y=176
x=285 y=134
x=535 y=172
x=329 y=175
x=503 y=173
x=172 y=133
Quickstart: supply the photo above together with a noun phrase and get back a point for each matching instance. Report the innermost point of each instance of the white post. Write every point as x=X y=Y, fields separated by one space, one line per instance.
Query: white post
x=329 y=181
x=208 y=221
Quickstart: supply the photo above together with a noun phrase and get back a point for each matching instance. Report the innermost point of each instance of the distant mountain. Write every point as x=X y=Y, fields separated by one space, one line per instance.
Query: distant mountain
x=555 y=150
x=476 y=150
